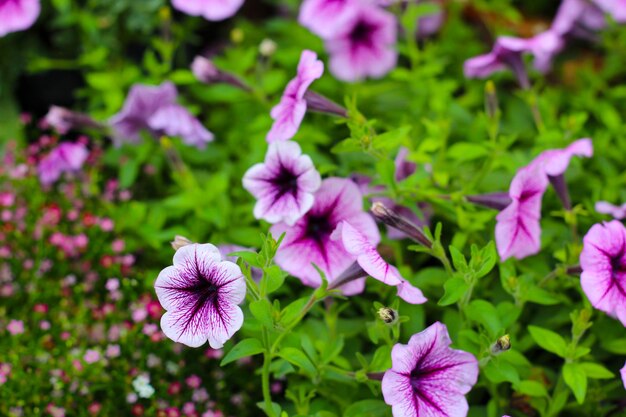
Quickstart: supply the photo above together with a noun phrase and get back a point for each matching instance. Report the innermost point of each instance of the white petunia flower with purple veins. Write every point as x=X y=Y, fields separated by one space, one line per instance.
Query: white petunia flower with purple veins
x=428 y=378
x=284 y=184
x=368 y=258
x=309 y=241
x=154 y=109
x=201 y=293
x=209 y=9
x=289 y=112
x=16 y=15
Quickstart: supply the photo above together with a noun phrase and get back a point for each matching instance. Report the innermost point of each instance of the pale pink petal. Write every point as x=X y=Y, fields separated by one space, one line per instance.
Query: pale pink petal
x=209 y=9
x=16 y=15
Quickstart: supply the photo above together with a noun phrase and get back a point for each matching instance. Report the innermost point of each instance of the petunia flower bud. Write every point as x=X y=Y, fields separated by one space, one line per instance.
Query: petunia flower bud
x=267 y=47
x=501 y=345
x=180 y=241
x=388 y=315
x=319 y=103
x=64 y=120
x=498 y=201
x=205 y=71
x=491 y=100
x=393 y=219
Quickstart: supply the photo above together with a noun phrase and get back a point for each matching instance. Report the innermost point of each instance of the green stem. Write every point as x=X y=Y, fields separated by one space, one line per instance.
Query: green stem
x=312 y=300
x=265 y=381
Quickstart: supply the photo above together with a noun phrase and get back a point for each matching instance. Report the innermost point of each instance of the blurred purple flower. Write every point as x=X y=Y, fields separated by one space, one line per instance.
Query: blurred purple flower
x=205 y=71
x=404 y=168
x=16 y=15
x=365 y=46
x=289 y=112
x=518 y=232
x=201 y=294
x=507 y=53
x=327 y=17
x=604 y=207
x=67 y=157
x=309 y=240
x=576 y=17
x=209 y=9
x=623 y=373
x=154 y=109
x=284 y=184
x=428 y=378
x=603 y=262
x=368 y=258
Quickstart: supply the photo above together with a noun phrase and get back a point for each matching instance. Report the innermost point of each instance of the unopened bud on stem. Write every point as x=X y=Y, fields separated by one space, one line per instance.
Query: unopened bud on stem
x=180 y=241
x=205 y=71
x=388 y=315
x=501 y=345
x=395 y=220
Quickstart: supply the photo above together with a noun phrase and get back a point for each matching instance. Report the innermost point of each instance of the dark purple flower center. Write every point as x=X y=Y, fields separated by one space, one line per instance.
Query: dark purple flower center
x=319 y=227
x=619 y=273
x=362 y=33
x=286 y=182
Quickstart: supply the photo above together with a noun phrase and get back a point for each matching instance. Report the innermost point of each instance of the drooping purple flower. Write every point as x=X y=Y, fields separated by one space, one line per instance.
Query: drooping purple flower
x=67 y=157
x=201 y=293
x=205 y=70
x=365 y=47
x=154 y=109
x=284 y=184
x=507 y=53
x=618 y=212
x=428 y=378
x=309 y=240
x=64 y=120
x=603 y=261
x=358 y=245
x=327 y=17
x=16 y=15
x=209 y=9
x=289 y=112
x=518 y=231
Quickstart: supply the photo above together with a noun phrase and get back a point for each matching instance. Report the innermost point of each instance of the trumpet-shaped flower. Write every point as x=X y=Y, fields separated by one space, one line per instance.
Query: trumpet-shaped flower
x=326 y=17
x=604 y=207
x=309 y=240
x=209 y=9
x=67 y=157
x=16 y=15
x=154 y=109
x=365 y=47
x=289 y=112
x=284 y=184
x=603 y=261
x=358 y=245
x=428 y=378
x=201 y=293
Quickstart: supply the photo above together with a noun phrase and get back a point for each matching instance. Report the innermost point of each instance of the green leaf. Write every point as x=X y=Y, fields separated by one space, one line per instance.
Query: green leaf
x=454 y=288
x=245 y=348
x=576 y=378
x=367 y=408
x=262 y=311
x=540 y=296
x=298 y=358
x=465 y=151
x=292 y=311
x=532 y=388
x=458 y=260
x=549 y=340
x=381 y=360
x=275 y=278
x=617 y=346
x=596 y=371
x=485 y=261
x=483 y=312
x=498 y=371
x=392 y=139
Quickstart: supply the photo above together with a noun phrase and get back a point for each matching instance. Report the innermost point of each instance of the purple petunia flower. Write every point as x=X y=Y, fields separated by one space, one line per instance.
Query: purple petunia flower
x=288 y=114
x=604 y=207
x=603 y=261
x=518 y=231
x=623 y=373
x=201 y=293
x=16 y=15
x=209 y=9
x=404 y=168
x=579 y=16
x=309 y=240
x=370 y=260
x=327 y=17
x=507 y=53
x=154 y=109
x=67 y=157
x=365 y=47
x=284 y=184
x=428 y=378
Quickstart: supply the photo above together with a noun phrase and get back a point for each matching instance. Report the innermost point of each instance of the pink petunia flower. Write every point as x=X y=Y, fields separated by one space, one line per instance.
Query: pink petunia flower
x=326 y=17
x=428 y=378
x=16 y=15
x=368 y=258
x=67 y=157
x=15 y=327
x=577 y=17
x=623 y=373
x=603 y=261
x=284 y=184
x=289 y=112
x=91 y=356
x=309 y=241
x=518 y=231
x=209 y=9
x=604 y=207
x=154 y=109
x=365 y=47
x=201 y=294
x=507 y=53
